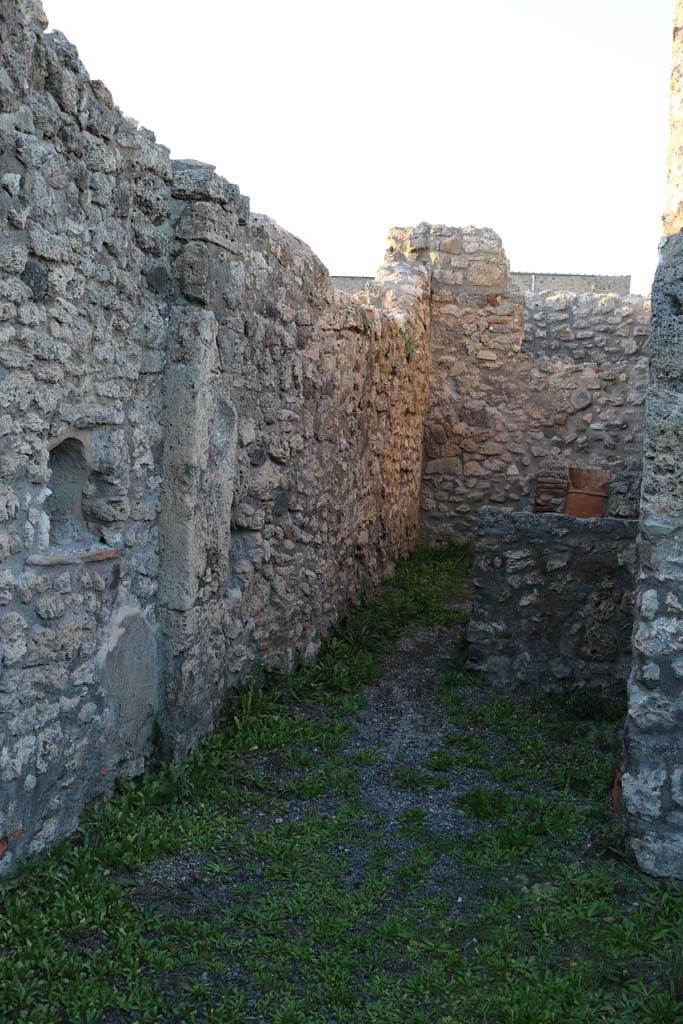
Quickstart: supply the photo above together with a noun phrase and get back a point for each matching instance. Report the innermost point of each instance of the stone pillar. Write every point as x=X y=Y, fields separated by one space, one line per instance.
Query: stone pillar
x=673 y=213
x=199 y=460
x=653 y=779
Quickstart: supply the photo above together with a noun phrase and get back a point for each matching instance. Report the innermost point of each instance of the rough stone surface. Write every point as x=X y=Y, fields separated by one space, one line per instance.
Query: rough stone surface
x=654 y=733
x=205 y=453
x=517 y=387
x=553 y=600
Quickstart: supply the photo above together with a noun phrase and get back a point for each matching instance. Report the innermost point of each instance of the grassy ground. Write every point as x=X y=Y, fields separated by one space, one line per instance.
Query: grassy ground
x=264 y=881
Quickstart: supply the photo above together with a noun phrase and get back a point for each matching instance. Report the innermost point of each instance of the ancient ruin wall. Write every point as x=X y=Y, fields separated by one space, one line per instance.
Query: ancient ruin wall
x=533 y=282
x=205 y=451
x=553 y=601
x=653 y=779
x=617 y=284
x=205 y=454
x=83 y=196
x=593 y=352
x=315 y=442
x=519 y=386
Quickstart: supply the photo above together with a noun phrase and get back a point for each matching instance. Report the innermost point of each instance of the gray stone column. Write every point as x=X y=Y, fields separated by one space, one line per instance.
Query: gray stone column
x=653 y=779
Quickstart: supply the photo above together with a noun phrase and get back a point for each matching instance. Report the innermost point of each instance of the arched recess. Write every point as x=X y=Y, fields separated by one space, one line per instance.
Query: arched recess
x=69 y=473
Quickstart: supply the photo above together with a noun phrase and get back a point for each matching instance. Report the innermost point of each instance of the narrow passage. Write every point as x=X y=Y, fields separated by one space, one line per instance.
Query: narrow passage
x=379 y=838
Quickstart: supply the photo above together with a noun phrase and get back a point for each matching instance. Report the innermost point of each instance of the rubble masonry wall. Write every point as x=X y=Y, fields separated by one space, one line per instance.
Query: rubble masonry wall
x=205 y=453
x=520 y=385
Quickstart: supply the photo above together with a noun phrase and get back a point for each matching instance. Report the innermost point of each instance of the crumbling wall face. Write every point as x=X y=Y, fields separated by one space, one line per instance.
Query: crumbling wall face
x=508 y=402
x=553 y=602
x=205 y=454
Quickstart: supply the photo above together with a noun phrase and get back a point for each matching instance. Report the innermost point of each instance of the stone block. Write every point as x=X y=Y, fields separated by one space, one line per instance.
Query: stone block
x=572 y=580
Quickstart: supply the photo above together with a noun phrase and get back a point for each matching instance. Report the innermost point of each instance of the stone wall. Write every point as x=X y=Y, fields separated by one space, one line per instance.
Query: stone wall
x=350 y=285
x=205 y=452
x=520 y=384
x=653 y=777
x=312 y=434
x=83 y=197
x=553 y=601
x=616 y=284
x=584 y=328
x=519 y=387
x=594 y=351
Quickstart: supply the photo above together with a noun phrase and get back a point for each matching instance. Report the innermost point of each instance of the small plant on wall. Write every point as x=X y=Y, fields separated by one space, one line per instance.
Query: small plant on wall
x=408 y=346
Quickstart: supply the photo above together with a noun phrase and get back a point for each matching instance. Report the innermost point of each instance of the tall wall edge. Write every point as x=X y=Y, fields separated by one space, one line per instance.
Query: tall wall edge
x=653 y=776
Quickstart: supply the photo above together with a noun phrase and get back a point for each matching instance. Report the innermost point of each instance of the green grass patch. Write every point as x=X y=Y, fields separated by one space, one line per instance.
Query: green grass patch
x=253 y=882
x=440 y=761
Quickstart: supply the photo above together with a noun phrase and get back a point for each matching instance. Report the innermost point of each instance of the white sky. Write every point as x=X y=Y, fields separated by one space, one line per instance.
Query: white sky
x=543 y=119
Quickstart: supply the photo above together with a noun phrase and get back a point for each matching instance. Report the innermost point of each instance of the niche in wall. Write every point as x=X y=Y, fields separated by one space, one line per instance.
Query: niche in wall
x=69 y=473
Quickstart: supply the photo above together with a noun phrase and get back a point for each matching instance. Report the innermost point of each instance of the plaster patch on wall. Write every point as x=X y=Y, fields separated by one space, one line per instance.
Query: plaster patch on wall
x=128 y=674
